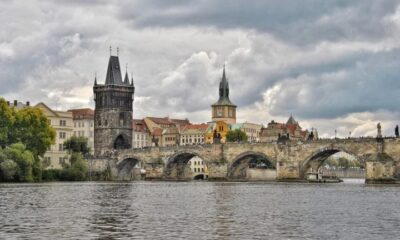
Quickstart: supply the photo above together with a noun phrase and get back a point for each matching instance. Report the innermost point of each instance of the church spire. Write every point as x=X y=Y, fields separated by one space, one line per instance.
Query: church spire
x=224 y=86
x=224 y=91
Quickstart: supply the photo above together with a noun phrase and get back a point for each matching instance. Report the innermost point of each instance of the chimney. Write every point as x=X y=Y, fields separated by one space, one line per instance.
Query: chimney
x=15 y=103
x=28 y=104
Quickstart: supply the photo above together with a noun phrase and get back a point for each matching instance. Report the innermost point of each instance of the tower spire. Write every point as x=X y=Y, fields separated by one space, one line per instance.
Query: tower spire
x=126 y=79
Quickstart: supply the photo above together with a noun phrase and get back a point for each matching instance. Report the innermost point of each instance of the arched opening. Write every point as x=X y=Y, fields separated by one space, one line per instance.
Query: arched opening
x=186 y=166
x=129 y=169
x=333 y=165
x=252 y=166
x=121 y=143
x=199 y=177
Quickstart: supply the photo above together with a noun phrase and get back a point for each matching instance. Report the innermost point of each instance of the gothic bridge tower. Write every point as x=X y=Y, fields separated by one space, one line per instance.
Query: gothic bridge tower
x=113 y=110
x=224 y=109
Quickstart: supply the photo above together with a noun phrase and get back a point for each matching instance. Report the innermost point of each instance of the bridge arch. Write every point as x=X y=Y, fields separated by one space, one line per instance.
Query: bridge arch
x=129 y=168
x=176 y=167
x=317 y=158
x=252 y=165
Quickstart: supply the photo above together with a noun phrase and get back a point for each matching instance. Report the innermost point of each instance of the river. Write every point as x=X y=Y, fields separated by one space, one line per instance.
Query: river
x=199 y=210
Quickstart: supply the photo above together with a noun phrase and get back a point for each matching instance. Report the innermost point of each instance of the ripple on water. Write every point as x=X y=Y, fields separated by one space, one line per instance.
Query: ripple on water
x=199 y=210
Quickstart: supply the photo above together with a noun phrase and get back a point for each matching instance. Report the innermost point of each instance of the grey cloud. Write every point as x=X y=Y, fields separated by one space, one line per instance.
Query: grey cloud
x=297 y=22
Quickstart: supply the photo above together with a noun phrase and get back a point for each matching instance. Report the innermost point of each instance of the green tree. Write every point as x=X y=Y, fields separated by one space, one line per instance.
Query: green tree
x=76 y=170
x=6 y=122
x=24 y=159
x=236 y=135
x=344 y=163
x=8 y=170
x=77 y=145
x=32 y=128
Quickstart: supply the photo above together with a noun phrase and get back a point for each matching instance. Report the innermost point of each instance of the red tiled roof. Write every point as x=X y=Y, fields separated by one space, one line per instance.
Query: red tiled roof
x=169 y=121
x=164 y=121
x=139 y=125
x=157 y=132
x=202 y=126
x=82 y=113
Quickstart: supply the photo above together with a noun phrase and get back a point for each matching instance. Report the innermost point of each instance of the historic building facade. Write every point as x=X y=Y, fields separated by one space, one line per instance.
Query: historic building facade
x=84 y=124
x=216 y=132
x=141 y=134
x=252 y=130
x=224 y=109
x=165 y=131
x=113 y=110
x=291 y=130
x=62 y=122
x=193 y=134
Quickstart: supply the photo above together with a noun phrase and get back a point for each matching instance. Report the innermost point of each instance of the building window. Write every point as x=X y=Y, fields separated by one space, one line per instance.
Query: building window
x=63 y=123
x=62 y=135
x=60 y=147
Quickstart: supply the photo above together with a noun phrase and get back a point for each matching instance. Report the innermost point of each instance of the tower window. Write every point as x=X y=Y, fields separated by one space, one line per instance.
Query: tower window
x=121 y=119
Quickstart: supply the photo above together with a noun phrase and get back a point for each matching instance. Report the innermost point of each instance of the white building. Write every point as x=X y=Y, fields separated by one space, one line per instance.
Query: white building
x=141 y=134
x=198 y=167
x=62 y=122
x=84 y=124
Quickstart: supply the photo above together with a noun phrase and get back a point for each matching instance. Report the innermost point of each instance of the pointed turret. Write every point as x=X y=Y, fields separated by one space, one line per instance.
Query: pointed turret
x=113 y=72
x=132 y=84
x=95 y=79
x=126 y=79
x=291 y=120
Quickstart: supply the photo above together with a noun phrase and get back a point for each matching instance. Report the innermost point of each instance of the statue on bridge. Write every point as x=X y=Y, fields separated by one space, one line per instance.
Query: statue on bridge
x=396 y=131
x=311 y=136
x=379 y=131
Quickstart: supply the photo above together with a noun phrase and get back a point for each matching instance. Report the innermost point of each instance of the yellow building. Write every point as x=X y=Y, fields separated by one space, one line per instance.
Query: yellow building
x=216 y=132
x=62 y=122
x=224 y=109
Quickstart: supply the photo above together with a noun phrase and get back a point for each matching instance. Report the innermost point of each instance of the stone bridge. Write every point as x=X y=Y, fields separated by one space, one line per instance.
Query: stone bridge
x=288 y=161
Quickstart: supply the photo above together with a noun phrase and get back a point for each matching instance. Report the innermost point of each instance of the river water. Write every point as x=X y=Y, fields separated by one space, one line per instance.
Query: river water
x=199 y=210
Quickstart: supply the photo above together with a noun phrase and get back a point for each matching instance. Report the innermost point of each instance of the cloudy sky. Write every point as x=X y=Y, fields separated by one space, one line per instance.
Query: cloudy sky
x=332 y=64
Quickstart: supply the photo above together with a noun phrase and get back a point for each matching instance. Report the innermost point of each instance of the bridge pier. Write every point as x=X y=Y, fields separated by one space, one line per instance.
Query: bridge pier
x=287 y=171
x=217 y=171
x=380 y=168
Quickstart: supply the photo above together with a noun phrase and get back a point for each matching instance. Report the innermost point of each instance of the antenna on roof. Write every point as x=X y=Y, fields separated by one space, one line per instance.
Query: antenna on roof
x=110 y=50
x=117 y=51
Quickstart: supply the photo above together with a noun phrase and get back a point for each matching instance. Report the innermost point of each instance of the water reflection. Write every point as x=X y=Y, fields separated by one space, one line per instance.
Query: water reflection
x=198 y=210
x=113 y=214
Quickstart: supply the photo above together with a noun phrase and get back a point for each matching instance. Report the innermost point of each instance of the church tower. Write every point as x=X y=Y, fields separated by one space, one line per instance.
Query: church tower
x=113 y=110
x=224 y=109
